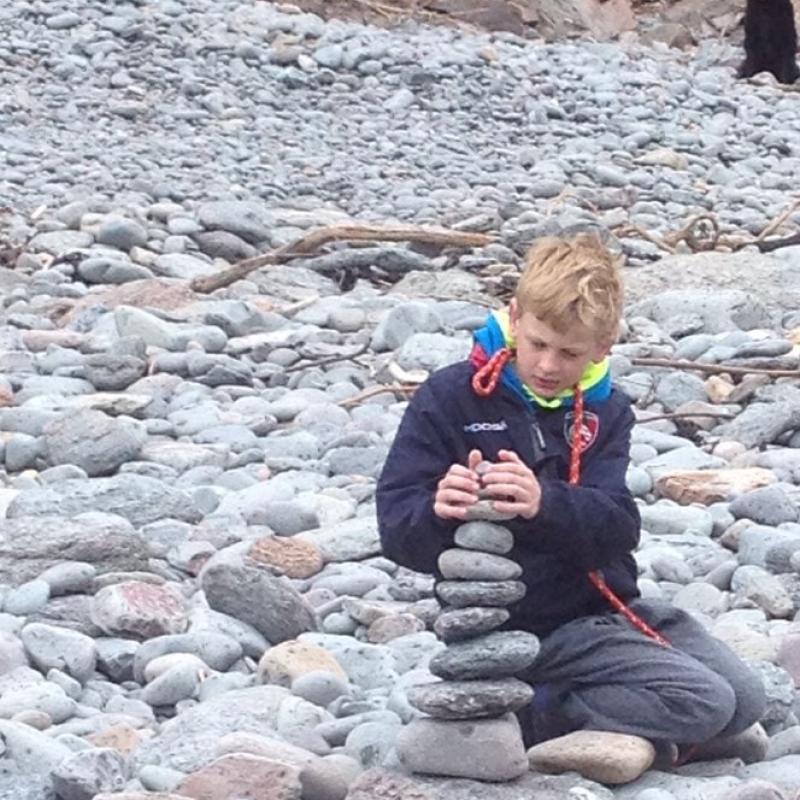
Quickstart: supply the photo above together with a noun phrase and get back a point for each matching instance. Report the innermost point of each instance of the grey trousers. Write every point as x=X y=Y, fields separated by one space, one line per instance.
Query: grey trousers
x=600 y=673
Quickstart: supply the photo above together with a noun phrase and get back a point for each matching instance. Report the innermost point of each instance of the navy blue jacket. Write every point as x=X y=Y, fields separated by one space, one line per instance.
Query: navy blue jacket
x=593 y=526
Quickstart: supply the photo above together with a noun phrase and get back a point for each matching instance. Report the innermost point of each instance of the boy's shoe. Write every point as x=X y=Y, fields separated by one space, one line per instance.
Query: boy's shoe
x=667 y=755
x=750 y=746
x=610 y=758
x=542 y=719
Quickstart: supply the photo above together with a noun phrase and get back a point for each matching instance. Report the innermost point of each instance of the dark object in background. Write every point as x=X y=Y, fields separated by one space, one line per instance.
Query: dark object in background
x=770 y=40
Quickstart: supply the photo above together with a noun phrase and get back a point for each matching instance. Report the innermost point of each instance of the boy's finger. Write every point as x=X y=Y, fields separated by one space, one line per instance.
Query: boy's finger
x=467 y=483
x=455 y=497
x=509 y=455
x=474 y=458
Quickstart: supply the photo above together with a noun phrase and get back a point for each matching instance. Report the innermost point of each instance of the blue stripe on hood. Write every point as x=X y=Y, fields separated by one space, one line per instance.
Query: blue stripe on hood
x=491 y=337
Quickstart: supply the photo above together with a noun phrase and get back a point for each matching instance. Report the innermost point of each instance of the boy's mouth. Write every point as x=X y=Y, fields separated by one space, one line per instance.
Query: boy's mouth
x=544 y=384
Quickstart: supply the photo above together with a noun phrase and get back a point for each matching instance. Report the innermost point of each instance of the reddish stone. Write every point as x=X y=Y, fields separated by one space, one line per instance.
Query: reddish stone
x=239 y=776
x=295 y=558
x=139 y=608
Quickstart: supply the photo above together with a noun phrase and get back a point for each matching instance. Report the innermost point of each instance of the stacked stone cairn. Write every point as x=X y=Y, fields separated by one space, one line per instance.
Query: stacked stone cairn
x=471 y=710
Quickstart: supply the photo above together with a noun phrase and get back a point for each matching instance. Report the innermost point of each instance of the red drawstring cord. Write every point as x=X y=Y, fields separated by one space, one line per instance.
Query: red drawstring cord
x=484 y=382
x=485 y=379
x=595 y=577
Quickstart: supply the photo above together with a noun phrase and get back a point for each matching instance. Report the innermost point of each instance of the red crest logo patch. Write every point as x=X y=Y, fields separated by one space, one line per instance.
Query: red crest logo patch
x=589 y=429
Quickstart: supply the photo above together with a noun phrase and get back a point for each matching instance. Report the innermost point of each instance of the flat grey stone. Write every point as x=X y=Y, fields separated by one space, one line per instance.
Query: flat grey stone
x=485 y=537
x=472 y=565
x=465 y=623
x=495 y=655
x=480 y=593
x=138 y=498
x=487 y=750
x=470 y=699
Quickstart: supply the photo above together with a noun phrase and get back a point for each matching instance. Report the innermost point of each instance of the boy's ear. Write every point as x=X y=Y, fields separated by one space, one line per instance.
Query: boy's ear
x=601 y=349
x=514 y=314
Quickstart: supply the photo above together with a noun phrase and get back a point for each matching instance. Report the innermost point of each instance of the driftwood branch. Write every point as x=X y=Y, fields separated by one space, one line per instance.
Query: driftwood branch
x=307 y=363
x=373 y=391
x=714 y=369
x=313 y=241
x=688 y=415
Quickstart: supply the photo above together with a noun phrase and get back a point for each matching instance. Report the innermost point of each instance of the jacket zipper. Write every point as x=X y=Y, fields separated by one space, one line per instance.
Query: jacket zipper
x=537 y=439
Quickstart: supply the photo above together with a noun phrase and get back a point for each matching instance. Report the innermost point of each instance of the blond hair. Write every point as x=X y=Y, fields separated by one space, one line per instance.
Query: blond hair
x=572 y=280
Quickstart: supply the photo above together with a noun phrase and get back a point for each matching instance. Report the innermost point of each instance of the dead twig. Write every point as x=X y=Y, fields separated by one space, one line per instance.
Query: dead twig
x=314 y=240
x=772 y=226
x=321 y=362
x=374 y=391
x=714 y=369
x=688 y=415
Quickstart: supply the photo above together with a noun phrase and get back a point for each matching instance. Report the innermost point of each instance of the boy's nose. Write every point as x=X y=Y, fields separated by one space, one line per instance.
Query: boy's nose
x=549 y=362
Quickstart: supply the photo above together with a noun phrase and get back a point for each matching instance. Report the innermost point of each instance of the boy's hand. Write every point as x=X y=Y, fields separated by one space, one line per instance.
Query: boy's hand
x=458 y=489
x=514 y=485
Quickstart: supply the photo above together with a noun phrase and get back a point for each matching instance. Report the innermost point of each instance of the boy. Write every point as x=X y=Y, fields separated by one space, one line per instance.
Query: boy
x=533 y=370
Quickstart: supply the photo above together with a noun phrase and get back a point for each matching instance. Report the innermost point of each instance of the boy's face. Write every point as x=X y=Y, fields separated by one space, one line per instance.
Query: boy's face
x=549 y=361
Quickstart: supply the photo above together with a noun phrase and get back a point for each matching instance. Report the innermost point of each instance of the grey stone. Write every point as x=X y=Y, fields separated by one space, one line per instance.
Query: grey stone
x=42 y=696
x=121 y=233
x=465 y=623
x=319 y=687
x=761 y=423
x=183 y=266
x=486 y=750
x=270 y=604
x=494 y=655
x=676 y=388
x=108 y=542
x=472 y=565
x=102 y=269
x=190 y=740
x=136 y=497
x=431 y=351
x=401 y=322
x=371 y=743
x=115 y=657
x=113 y=373
x=368 y=666
x=86 y=773
x=177 y=683
x=756 y=584
x=12 y=653
x=69 y=577
x=51 y=647
x=217 y=649
x=27 y=598
x=93 y=441
x=665 y=517
x=155 y=331
x=484 y=536
x=769 y=505
x=250 y=221
x=480 y=593
x=471 y=699
x=22 y=452
x=721 y=310
x=351 y=540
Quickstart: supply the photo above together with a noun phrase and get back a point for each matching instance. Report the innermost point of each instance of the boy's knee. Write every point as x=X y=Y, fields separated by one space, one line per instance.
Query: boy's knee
x=751 y=703
x=714 y=708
